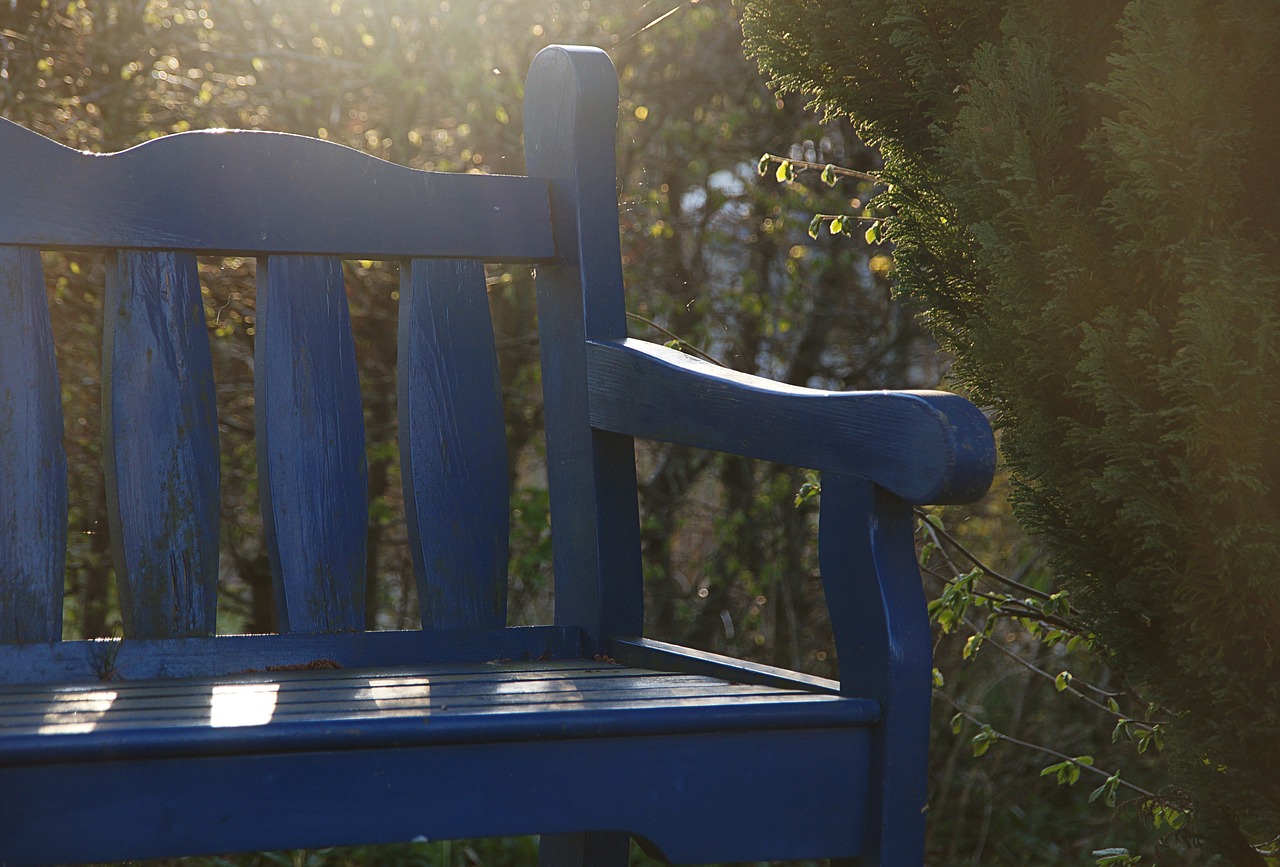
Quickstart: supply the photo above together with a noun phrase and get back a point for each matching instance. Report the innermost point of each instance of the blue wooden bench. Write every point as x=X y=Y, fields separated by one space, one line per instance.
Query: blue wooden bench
x=173 y=741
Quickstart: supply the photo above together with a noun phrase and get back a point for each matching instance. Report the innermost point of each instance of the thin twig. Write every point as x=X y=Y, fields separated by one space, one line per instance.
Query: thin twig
x=829 y=217
x=1071 y=687
x=1043 y=749
x=935 y=530
x=839 y=170
x=677 y=338
x=1022 y=611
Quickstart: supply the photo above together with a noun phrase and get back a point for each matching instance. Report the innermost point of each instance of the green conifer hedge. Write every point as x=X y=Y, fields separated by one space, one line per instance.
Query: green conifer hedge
x=1084 y=202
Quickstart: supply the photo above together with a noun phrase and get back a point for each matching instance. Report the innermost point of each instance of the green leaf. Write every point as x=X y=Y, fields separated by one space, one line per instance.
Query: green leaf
x=971 y=646
x=1067 y=773
x=983 y=740
x=1107 y=791
x=957 y=723
x=1062 y=681
x=786 y=171
x=836 y=226
x=873 y=233
x=938 y=679
x=811 y=488
x=762 y=167
x=829 y=175
x=815 y=226
x=1149 y=737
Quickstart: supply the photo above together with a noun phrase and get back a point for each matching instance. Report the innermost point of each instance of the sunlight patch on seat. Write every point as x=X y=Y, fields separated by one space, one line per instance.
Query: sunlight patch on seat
x=76 y=712
x=242 y=704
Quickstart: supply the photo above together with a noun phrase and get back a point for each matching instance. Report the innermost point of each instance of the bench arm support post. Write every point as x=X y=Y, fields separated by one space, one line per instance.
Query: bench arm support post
x=879 y=615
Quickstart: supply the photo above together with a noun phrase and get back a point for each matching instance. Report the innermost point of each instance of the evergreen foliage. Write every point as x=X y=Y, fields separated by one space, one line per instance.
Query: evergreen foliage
x=1084 y=206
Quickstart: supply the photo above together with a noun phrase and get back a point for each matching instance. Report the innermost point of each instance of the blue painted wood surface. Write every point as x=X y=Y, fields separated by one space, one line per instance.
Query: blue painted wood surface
x=697 y=796
x=661 y=656
x=387 y=706
x=866 y=551
x=160 y=445
x=925 y=446
x=107 y=660
x=453 y=452
x=33 y=467
x=312 y=474
x=571 y=103
x=707 y=758
x=243 y=192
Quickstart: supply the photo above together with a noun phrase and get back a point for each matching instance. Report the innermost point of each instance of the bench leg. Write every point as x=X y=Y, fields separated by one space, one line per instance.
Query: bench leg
x=598 y=849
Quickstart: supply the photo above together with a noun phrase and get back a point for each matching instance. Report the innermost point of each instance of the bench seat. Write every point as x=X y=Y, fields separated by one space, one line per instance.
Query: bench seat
x=185 y=754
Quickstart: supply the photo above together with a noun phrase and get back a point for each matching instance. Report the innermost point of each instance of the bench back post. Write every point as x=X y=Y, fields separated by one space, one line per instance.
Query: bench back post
x=571 y=106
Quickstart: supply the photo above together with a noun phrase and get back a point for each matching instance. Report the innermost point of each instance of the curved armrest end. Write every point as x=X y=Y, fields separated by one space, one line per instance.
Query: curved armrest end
x=923 y=446
x=967 y=439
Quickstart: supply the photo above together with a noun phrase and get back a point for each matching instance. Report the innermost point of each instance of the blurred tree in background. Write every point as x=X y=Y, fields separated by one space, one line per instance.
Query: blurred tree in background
x=716 y=260
x=1083 y=201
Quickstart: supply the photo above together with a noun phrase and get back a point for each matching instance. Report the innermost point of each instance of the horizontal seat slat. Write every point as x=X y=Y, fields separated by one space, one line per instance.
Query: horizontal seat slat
x=126 y=717
x=380 y=707
x=317 y=683
x=255 y=193
x=426 y=689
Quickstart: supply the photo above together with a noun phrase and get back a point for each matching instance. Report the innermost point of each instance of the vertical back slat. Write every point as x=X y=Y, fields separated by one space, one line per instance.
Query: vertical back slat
x=312 y=471
x=160 y=433
x=33 y=466
x=453 y=456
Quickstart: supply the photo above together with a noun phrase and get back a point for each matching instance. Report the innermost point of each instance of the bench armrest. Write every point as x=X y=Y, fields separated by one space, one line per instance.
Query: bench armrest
x=923 y=446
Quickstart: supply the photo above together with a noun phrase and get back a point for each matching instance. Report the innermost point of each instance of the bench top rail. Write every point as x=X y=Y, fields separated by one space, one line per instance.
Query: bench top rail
x=248 y=192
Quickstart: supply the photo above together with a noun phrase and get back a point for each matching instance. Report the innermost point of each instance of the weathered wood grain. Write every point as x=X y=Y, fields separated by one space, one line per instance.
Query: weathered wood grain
x=463 y=729
x=249 y=192
x=571 y=118
x=925 y=446
x=879 y=617
x=33 y=466
x=312 y=473
x=453 y=455
x=160 y=437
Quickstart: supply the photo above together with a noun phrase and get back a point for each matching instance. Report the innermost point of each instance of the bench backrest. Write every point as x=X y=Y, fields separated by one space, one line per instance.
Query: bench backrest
x=299 y=205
